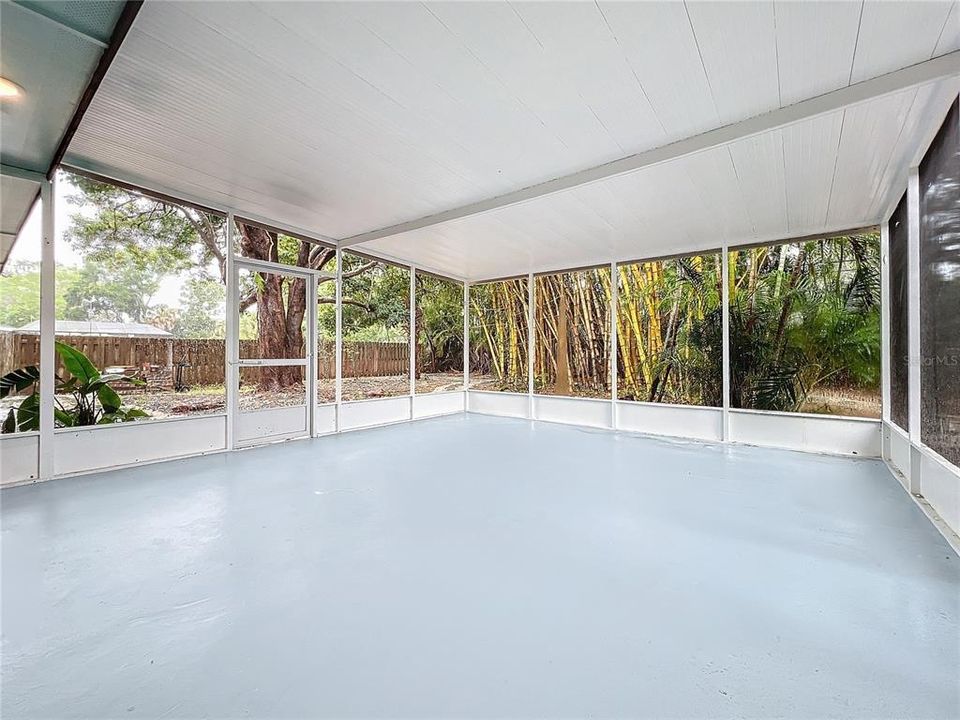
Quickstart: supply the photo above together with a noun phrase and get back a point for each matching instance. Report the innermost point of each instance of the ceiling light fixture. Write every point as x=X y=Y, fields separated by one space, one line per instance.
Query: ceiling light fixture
x=9 y=89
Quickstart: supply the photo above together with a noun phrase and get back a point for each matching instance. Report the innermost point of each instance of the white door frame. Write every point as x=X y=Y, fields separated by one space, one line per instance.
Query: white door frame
x=308 y=362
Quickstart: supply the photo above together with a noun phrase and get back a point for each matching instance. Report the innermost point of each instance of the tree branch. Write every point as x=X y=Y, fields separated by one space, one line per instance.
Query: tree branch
x=345 y=301
x=359 y=271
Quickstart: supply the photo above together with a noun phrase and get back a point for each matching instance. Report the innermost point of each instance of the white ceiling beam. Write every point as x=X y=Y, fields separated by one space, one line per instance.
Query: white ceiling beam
x=919 y=74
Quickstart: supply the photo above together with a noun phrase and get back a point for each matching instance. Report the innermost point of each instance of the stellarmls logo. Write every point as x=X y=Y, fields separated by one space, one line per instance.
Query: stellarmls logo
x=950 y=360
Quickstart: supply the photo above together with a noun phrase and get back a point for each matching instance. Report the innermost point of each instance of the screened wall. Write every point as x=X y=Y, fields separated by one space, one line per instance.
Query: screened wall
x=572 y=321
x=140 y=304
x=899 y=366
x=439 y=333
x=669 y=331
x=499 y=346
x=804 y=321
x=805 y=326
x=19 y=307
x=376 y=329
x=939 y=195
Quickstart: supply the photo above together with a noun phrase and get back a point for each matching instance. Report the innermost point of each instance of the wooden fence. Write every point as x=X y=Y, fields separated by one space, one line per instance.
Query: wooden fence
x=156 y=358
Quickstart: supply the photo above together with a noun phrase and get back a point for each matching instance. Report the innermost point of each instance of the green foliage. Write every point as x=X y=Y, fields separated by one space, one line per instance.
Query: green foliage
x=670 y=331
x=201 y=305
x=116 y=288
x=439 y=323
x=20 y=293
x=380 y=295
x=130 y=243
x=151 y=232
x=95 y=401
x=805 y=316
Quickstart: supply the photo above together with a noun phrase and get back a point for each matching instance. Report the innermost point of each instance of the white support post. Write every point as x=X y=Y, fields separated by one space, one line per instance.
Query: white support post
x=311 y=368
x=338 y=341
x=466 y=342
x=48 y=328
x=614 y=301
x=913 y=295
x=725 y=304
x=531 y=342
x=231 y=356
x=413 y=337
x=885 y=339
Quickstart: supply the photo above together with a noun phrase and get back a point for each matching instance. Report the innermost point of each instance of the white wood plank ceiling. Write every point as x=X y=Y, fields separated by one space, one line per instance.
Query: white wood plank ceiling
x=344 y=118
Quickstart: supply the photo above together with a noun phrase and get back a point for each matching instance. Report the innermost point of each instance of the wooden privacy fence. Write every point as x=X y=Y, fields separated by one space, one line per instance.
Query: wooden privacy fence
x=156 y=359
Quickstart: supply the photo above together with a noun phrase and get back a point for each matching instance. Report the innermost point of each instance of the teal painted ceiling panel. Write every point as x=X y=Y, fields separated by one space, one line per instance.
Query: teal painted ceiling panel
x=50 y=49
x=93 y=18
x=53 y=66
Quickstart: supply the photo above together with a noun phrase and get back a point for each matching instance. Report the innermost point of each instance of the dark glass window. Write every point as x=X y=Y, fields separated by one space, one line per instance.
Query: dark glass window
x=899 y=317
x=940 y=291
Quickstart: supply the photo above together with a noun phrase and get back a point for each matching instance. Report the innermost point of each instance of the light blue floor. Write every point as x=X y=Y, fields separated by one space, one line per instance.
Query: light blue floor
x=481 y=567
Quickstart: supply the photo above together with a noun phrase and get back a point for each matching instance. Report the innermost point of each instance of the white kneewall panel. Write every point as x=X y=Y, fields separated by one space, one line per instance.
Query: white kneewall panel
x=104 y=446
x=573 y=411
x=496 y=403
x=432 y=404
x=683 y=421
x=368 y=413
x=940 y=486
x=811 y=433
x=19 y=458
x=325 y=419
x=900 y=454
x=270 y=423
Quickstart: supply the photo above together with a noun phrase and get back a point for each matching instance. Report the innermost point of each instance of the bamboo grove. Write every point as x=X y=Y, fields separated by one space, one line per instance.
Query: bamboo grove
x=804 y=329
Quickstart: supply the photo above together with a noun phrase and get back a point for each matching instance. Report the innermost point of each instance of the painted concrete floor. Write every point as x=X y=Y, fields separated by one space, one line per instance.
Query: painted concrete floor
x=479 y=567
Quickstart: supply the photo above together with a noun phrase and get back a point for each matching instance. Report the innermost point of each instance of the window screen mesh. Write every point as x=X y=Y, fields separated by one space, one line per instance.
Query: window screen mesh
x=940 y=291
x=899 y=314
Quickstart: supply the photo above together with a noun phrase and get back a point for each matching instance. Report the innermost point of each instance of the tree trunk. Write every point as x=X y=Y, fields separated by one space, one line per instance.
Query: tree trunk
x=279 y=326
x=562 y=385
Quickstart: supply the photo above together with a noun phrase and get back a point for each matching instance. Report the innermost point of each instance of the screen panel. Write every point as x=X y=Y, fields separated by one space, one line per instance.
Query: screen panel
x=439 y=327
x=899 y=317
x=940 y=291
x=140 y=291
x=376 y=329
x=572 y=321
x=669 y=331
x=498 y=336
x=805 y=326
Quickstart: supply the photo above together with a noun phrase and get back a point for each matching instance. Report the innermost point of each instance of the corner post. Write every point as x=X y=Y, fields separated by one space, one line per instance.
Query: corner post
x=413 y=337
x=232 y=354
x=614 y=302
x=725 y=304
x=466 y=344
x=885 y=339
x=913 y=324
x=48 y=328
x=531 y=342
x=312 y=359
x=338 y=340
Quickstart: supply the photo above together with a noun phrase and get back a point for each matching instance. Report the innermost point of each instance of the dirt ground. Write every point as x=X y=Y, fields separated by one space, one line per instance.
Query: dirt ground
x=848 y=402
x=211 y=399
